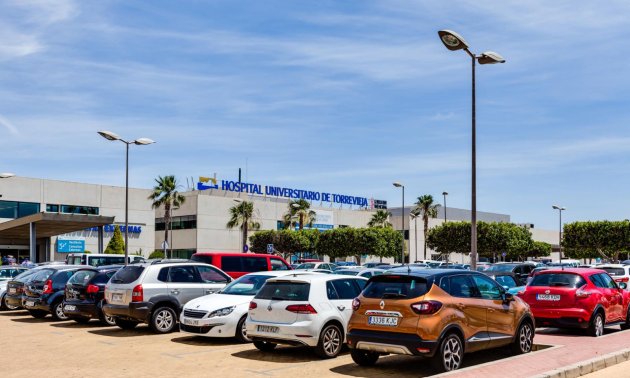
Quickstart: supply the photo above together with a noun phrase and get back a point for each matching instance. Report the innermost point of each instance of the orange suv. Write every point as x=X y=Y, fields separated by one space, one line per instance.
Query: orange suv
x=436 y=313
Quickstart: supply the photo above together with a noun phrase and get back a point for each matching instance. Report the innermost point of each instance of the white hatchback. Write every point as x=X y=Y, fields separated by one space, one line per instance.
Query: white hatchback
x=223 y=314
x=303 y=310
x=620 y=273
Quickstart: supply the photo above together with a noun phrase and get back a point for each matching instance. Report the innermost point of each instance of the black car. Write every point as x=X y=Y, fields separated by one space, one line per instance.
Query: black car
x=508 y=280
x=521 y=271
x=44 y=292
x=12 y=299
x=85 y=293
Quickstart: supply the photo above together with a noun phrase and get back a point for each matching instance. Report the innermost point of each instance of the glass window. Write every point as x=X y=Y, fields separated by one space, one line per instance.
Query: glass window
x=608 y=281
x=211 y=275
x=255 y=264
x=127 y=274
x=306 y=266
x=103 y=277
x=82 y=277
x=506 y=281
x=597 y=280
x=461 y=286
x=74 y=209
x=487 y=288
x=63 y=276
x=163 y=275
x=183 y=274
x=285 y=290
x=389 y=286
x=360 y=284
x=183 y=222
x=13 y=209
x=614 y=271
x=558 y=279
x=331 y=292
x=277 y=264
x=52 y=208
x=105 y=260
x=246 y=285
x=346 y=289
x=231 y=264
x=42 y=275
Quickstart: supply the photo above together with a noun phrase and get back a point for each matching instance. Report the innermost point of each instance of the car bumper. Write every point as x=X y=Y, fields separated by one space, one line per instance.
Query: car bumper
x=39 y=304
x=224 y=326
x=137 y=311
x=299 y=333
x=81 y=310
x=14 y=300
x=562 y=317
x=389 y=342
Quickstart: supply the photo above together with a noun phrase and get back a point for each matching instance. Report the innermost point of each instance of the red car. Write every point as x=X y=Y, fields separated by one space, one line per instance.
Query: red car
x=578 y=298
x=238 y=264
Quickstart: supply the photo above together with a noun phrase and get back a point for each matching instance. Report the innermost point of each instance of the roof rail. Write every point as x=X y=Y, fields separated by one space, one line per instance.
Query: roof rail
x=168 y=261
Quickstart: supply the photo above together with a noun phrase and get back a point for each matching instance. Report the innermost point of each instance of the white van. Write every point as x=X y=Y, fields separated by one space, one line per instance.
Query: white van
x=100 y=259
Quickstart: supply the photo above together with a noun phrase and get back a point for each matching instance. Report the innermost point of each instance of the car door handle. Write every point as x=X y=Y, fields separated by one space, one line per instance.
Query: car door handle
x=341 y=308
x=175 y=291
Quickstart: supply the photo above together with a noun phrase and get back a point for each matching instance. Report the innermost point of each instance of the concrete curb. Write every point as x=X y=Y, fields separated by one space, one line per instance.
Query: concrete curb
x=585 y=367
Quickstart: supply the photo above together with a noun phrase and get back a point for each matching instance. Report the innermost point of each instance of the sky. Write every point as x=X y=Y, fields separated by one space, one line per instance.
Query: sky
x=333 y=96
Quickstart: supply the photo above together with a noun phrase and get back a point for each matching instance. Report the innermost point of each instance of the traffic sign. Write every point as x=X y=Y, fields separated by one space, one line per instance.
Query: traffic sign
x=164 y=244
x=245 y=248
x=269 y=248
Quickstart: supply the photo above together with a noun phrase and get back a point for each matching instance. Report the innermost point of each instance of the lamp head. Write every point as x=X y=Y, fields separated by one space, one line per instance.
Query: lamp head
x=556 y=207
x=397 y=184
x=490 y=57
x=108 y=135
x=143 y=141
x=452 y=40
x=6 y=175
x=444 y=193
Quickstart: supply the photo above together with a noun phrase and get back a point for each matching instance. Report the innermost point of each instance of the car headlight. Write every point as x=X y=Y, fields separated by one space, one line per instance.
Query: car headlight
x=222 y=312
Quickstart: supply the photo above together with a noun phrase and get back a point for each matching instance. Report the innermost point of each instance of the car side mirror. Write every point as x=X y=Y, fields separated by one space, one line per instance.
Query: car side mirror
x=507 y=297
x=623 y=285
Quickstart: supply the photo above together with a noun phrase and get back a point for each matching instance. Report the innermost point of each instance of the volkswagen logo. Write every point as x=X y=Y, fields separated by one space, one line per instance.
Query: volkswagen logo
x=382 y=304
x=547 y=291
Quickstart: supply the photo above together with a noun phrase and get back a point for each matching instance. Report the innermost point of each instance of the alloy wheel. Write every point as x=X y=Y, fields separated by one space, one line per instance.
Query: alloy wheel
x=59 y=312
x=526 y=337
x=109 y=320
x=164 y=320
x=7 y=305
x=244 y=332
x=452 y=354
x=599 y=326
x=332 y=341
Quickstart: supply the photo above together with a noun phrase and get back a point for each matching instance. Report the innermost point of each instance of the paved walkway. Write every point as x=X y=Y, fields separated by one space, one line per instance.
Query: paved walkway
x=568 y=347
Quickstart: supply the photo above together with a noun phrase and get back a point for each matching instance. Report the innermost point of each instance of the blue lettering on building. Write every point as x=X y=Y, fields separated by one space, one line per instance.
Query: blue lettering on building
x=111 y=227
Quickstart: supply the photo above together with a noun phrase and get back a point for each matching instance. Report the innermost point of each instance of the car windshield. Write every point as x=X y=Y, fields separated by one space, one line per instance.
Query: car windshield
x=500 y=268
x=82 y=277
x=128 y=274
x=306 y=266
x=614 y=271
x=347 y=272
x=558 y=279
x=505 y=281
x=390 y=286
x=285 y=291
x=9 y=272
x=246 y=285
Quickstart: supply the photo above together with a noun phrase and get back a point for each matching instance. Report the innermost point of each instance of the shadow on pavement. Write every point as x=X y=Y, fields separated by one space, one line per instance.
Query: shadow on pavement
x=33 y=320
x=117 y=332
x=572 y=332
x=205 y=341
x=282 y=354
x=72 y=324
x=14 y=313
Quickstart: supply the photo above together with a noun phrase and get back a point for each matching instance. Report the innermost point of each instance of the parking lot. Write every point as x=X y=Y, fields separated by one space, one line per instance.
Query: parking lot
x=70 y=349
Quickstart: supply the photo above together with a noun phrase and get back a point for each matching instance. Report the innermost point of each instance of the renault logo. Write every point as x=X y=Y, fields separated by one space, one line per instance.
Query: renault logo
x=547 y=291
x=382 y=304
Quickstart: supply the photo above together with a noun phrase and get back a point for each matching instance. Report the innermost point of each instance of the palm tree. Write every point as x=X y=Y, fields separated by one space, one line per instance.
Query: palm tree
x=299 y=213
x=165 y=194
x=380 y=219
x=241 y=216
x=426 y=208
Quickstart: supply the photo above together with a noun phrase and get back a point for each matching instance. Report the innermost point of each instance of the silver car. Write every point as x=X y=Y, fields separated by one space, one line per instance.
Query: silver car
x=155 y=292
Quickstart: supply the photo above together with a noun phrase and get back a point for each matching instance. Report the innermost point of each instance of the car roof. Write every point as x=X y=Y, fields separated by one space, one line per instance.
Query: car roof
x=612 y=266
x=248 y=254
x=580 y=271
x=427 y=273
x=274 y=273
x=313 y=277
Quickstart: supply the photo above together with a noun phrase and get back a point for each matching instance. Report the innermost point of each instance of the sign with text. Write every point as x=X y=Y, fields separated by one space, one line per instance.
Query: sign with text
x=70 y=245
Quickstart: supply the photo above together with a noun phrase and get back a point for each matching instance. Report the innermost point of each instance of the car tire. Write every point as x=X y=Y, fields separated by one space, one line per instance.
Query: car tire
x=524 y=339
x=264 y=346
x=57 y=311
x=107 y=320
x=241 y=331
x=330 y=341
x=450 y=354
x=125 y=324
x=596 y=327
x=3 y=303
x=81 y=320
x=38 y=314
x=163 y=320
x=626 y=325
x=364 y=357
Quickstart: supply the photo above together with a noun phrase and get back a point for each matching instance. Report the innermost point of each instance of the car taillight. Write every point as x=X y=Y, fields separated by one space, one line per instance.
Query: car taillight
x=622 y=279
x=92 y=289
x=48 y=287
x=426 y=307
x=252 y=305
x=137 y=295
x=301 y=309
x=582 y=293
x=356 y=303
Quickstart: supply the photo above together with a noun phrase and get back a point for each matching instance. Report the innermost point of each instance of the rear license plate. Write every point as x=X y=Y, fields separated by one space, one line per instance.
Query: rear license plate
x=547 y=297
x=12 y=290
x=383 y=320
x=267 y=329
x=69 y=308
x=29 y=303
x=191 y=322
x=117 y=297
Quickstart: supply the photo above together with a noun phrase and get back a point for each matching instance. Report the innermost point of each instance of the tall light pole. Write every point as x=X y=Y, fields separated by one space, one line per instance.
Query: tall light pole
x=414 y=214
x=560 y=209
x=399 y=185
x=454 y=41
x=444 y=194
x=140 y=142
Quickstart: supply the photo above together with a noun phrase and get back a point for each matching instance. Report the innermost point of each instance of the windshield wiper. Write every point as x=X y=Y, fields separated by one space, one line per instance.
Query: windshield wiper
x=277 y=299
x=394 y=295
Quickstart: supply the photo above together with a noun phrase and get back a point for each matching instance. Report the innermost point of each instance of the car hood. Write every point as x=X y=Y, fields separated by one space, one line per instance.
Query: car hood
x=216 y=301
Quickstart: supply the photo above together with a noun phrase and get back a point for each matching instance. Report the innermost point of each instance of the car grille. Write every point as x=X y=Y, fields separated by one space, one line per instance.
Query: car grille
x=199 y=330
x=194 y=314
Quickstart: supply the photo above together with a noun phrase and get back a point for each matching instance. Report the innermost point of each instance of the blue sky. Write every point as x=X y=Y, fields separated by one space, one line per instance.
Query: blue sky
x=335 y=96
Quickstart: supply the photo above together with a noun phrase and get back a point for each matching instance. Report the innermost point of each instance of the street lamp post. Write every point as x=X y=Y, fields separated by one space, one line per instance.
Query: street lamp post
x=454 y=41
x=444 y=194
x=414 y=215
x=140 y=142
x=399 y=185
x=560 y=209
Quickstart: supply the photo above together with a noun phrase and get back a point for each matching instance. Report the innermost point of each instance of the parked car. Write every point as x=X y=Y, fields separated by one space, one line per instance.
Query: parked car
x=12 y=299
x=317 y=265
x=619 y=272
x=100 y=259
x=366 y=273
x=155 y=292
x=374 y=265
x=578 y=298
x=520 y=270
x=239 y=264
x=44 y=292
x=439 y=314
x=8 y=273
x=223 y=313
x=508 y=280
x=85 y=293
x=306 y=310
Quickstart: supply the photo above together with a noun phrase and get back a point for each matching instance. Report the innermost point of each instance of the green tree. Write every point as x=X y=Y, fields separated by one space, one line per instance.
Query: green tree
x=426 y=209
x=606 y=239
x=165 y=194
x=116 y=244
x=241 y=216
x=299 y=213
x=380 y=219
x=157 y=254
x=260 y=239
x=539 y=249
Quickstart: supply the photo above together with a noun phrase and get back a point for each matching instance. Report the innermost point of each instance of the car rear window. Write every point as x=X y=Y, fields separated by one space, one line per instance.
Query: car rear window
x=106 y=260
x=243 y=264
x=285 y=291
x=82 y=277
x=386 y=286
x=558 y=279
x=127 y=274
x=42 y=275
x=614 y=271
x=500 y=268
x=202 y=258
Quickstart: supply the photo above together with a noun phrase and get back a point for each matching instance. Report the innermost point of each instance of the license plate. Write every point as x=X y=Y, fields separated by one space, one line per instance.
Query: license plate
x=29 y=303
x=117 y=297
x=12 y=290
x=191 y=322
x=383 y=320
x=69 y=308
x=267 y=329
x=548 y=297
